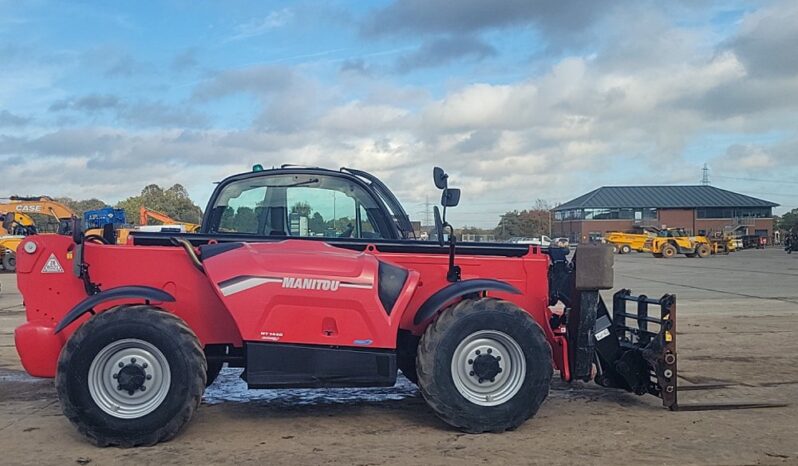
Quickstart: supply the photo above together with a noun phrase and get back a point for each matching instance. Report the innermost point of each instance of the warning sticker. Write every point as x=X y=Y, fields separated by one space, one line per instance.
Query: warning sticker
x=52 y=265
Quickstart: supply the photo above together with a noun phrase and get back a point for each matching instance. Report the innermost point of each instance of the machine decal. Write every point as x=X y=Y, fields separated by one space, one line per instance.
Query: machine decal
x=271 y=336
x=52 y=265
x=245 y=282
x=311 y=284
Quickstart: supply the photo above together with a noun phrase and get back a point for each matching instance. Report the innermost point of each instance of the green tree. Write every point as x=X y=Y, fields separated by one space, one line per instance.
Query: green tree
x=316 y=223
x=174 y=202
x=528 y=223
x=788 y=221
x=245 y=220
x=301 y=208
x=81 y=206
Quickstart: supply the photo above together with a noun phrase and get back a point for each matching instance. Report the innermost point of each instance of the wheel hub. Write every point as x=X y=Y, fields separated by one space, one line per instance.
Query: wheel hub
x=131 y=378
x=486 y=367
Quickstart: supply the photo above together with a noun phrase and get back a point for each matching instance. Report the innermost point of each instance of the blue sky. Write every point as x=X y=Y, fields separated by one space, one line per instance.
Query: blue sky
x=519 y=100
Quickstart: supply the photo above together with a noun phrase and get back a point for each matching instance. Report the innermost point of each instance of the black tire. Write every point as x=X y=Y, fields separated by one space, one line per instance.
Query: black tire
x=668 y=251
x=703 y=251
x=168 y=334
x=214 y=367
x=625 y=249
x=435 y=369
x=10 y=261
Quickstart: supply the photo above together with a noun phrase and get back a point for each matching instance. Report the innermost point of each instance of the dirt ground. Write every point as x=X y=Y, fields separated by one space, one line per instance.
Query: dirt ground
x=738 y=319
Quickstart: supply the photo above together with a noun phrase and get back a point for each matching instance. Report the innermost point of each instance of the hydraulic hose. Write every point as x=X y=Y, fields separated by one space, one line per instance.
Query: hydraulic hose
x=192 y=255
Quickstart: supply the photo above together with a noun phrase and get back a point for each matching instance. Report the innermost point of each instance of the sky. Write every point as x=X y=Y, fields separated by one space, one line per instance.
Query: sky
x=518 y=100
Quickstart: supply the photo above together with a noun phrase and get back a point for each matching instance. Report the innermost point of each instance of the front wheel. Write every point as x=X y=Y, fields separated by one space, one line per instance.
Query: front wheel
x=484 y=366
x=703 y=251
x=130 y=376
x=626 y=249
x=10 y=261
x=668 y=251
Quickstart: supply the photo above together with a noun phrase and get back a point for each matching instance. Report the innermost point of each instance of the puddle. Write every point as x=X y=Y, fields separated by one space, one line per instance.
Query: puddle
x=229 y=387
x=19 y=376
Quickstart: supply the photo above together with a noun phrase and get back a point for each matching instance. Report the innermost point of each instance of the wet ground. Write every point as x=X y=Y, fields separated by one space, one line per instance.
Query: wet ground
x=738 y=318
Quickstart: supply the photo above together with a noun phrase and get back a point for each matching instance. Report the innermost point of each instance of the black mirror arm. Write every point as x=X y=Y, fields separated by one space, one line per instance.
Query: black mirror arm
x=453 y=275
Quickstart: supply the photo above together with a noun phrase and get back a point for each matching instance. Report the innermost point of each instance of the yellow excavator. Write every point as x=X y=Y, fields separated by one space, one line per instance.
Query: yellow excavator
x=18 y=221
x=40 y=205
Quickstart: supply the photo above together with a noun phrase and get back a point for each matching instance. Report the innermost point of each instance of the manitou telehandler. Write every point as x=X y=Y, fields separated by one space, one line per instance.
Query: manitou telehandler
x=307 y=277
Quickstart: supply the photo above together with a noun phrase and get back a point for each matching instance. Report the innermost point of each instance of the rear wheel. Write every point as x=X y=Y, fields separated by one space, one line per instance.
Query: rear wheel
x=703 y=250
x=668 y=251
x=10 y=261
x=130 y=376
x=625 y=249
x=484 y=366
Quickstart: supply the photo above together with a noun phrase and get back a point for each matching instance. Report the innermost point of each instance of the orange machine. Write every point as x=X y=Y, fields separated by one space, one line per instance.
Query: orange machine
x=146 y=214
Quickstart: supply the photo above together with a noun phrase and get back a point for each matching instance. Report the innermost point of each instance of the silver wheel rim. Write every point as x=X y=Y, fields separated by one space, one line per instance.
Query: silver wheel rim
x=505 y=384
x=105 y=369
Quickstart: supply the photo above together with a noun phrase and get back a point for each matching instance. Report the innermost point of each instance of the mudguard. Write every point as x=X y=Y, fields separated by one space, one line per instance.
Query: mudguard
x=435 y=302
x=121 y=292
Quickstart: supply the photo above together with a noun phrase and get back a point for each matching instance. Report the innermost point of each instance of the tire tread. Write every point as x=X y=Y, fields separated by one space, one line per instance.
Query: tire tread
x=190 y=346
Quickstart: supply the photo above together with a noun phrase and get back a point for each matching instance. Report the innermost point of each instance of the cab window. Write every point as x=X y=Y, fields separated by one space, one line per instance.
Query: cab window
x=299 y=206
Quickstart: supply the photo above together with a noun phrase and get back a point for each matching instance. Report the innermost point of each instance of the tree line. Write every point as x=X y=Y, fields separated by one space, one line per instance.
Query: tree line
x=527 y=223
x=174 y=202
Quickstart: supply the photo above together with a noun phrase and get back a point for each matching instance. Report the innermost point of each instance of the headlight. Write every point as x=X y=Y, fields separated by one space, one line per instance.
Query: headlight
x=30 y=247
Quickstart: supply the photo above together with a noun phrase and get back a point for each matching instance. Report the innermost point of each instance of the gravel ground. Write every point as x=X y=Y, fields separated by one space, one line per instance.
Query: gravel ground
x=738 y=319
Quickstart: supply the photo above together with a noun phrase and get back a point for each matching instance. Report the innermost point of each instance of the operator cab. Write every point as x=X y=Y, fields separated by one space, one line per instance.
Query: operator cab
x=304 y=203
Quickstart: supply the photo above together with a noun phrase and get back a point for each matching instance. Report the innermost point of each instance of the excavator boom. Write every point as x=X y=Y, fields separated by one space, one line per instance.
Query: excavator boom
x=146 y=214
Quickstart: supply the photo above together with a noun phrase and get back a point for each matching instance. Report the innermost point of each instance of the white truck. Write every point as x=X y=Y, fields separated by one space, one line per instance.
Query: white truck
x=543 y=241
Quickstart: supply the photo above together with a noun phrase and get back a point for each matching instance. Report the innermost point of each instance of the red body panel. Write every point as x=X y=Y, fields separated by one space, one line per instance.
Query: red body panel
x=306 y=292
x=293 y=291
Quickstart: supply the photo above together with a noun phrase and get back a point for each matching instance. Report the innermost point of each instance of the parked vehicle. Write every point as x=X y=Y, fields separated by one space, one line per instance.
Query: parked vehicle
x=624 y=243
x=17 y=222
x=543 y=241
x=133 y=333
x=672 y=241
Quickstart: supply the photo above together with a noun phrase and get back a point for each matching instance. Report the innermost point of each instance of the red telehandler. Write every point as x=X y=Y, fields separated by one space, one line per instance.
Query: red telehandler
x=308 y=277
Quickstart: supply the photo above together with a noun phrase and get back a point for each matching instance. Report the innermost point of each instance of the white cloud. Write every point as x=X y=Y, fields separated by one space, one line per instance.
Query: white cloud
x=259 y=26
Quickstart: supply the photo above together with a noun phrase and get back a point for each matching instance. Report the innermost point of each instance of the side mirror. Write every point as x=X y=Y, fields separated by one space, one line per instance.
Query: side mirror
x=440 y=178
x=438 y=224
x=450 y=197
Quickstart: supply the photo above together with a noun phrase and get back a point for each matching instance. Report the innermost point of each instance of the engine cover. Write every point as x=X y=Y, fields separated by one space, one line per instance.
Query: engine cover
x=305 y=292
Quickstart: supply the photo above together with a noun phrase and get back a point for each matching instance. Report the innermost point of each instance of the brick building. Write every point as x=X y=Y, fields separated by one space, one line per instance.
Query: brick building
x=697 y=209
